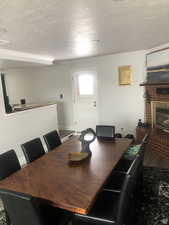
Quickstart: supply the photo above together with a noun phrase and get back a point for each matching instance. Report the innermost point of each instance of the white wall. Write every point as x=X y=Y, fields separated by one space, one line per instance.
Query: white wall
x=119 y=105
x=17 y=128
x=161 y=57
x=19 y=85
x=45 y=84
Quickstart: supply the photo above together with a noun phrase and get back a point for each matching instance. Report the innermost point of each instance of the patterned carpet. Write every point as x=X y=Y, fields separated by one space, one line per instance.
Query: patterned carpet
x=2 y=218
x=154 y=205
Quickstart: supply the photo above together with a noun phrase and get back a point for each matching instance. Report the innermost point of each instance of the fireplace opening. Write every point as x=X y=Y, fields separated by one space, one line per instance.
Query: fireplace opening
x=160 y=115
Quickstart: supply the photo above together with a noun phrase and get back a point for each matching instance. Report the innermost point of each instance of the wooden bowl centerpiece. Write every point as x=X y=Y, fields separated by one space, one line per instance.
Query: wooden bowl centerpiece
x=77 y=156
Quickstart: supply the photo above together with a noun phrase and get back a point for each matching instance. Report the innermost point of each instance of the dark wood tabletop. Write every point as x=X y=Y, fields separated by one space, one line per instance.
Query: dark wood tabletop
x=71 y=186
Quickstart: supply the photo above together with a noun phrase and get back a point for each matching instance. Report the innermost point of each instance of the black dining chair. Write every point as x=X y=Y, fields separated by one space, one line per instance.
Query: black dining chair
x=9 y=164
x=105 y=131
x=111 y=207
x=141 y=155
x=143 y=146
x=52 y=140
x=116 y=178
x=24 y=209
x=124 y=163
x=33 y=150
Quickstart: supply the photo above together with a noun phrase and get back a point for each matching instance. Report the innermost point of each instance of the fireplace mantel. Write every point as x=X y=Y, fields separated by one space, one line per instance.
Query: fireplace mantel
x=154 y=84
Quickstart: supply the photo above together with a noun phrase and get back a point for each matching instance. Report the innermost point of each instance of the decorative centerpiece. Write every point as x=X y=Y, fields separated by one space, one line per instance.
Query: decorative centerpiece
x=86 y=138
x=77 y=156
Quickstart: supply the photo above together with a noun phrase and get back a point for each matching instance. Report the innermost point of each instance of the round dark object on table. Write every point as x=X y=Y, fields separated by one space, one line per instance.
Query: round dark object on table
x=129 y=136
x=118 y=135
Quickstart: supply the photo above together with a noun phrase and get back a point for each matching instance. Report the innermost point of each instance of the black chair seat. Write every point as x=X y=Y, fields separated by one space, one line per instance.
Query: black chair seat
x=53 y=216
x=115 y=182
x=27 y=210
x=104 y=211
x=123 y=165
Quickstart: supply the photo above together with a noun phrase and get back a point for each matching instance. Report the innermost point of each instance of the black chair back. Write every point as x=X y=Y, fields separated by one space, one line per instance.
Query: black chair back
x=52 y=140
x=141 y=156
x=145 y=141
x=127 y=192
x=143 y=147
x=9 y=164
x=104 y=131
x=21 y=208
x=33 y=150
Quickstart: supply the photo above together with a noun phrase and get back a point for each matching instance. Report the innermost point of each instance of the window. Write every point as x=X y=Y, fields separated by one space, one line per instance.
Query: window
x=86 y=84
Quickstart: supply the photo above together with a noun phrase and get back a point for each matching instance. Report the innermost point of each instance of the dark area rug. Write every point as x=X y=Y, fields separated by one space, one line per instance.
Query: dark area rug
x=2 y=218
x=153 y=207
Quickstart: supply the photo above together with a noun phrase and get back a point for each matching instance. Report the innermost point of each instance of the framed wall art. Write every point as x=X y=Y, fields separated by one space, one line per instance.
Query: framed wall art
x=125 y=75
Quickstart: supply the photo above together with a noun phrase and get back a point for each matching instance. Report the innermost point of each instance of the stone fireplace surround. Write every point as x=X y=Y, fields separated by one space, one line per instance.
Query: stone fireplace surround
x=159 y=139
x=152 y=95
x=160 y=114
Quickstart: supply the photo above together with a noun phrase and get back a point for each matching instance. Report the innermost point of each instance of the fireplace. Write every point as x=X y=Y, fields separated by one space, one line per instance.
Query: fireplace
x=157 y=116
x=157 y=110
x=160 y=115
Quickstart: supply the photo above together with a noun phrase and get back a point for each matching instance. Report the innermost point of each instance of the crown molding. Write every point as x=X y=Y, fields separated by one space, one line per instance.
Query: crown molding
x=25 y=57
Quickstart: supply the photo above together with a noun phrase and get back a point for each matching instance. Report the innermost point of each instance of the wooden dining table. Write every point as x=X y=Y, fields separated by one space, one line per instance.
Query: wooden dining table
x=70 y=186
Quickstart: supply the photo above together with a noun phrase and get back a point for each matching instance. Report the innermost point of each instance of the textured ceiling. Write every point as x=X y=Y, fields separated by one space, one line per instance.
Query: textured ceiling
x=66 y=29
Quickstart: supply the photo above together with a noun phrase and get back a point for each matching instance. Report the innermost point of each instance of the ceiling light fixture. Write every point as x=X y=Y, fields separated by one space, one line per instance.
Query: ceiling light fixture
x=85 y=47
